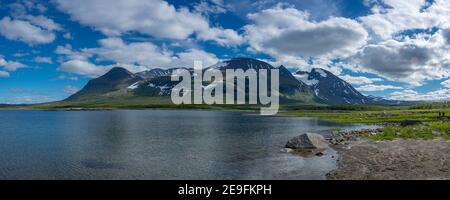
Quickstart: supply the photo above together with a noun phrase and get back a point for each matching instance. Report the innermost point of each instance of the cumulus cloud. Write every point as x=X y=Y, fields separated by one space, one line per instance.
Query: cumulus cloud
x=400 y=41
x=25 y=31
x=83 y=67
x=40 y=59
x=359 y=80
x=446 y=83
x=135 y=56
x=10 y=65
x=390 y=17
x=21 y=7
x=188 y=57
x=150 y=17
x=142 y=53
x=288 y=34
x=373 y=88
x=68 y=36
x=412 y=60
x=43 y=22
x=211 y=7
x=4 y=74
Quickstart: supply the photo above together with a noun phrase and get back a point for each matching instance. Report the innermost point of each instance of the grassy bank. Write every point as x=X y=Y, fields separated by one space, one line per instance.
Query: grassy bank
x=431 y=130
x=434 y=126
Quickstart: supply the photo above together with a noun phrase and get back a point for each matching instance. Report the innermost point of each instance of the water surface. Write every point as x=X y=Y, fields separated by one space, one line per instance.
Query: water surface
x=155 y=144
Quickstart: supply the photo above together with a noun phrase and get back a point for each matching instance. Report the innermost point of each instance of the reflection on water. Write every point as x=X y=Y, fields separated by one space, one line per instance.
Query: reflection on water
x=154 y=144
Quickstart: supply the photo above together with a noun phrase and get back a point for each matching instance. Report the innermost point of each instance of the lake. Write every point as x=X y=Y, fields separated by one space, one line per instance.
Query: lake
x=155 y=144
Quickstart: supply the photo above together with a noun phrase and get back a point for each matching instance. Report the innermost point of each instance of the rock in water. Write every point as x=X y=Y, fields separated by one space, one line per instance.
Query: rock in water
x=410 y=123
x=307 y=141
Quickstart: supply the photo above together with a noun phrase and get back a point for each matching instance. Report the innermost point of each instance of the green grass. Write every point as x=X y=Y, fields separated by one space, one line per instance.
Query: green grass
x=434 y=105
x=370 y=117
x=431 y=131
x=434 y=127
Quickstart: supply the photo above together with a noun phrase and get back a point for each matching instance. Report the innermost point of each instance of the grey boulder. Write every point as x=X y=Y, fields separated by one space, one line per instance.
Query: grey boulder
x=307 y=141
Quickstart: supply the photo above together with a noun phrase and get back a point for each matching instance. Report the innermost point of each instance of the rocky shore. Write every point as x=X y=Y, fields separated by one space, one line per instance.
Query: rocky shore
x=345 y=137
x=400 y=159
x=364 y=159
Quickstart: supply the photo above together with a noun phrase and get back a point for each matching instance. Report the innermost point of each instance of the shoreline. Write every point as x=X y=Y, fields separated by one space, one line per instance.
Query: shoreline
x=400 y=159
x=362 y=158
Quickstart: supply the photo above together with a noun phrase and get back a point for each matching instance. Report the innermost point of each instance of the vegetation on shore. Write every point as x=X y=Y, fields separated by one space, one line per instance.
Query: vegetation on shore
x=428 y=131
x=390 y=116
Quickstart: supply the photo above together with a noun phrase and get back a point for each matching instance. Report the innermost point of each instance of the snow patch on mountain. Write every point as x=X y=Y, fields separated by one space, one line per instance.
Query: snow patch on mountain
x=305 y=79
x=219 y=65
x=134 y=86
x=321 y=72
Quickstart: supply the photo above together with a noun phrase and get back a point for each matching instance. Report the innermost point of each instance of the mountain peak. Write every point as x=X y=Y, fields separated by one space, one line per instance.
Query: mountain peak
x=113 y=80
x=330 y=89
x=117 y=72
x=323 y=73
x=243 y=63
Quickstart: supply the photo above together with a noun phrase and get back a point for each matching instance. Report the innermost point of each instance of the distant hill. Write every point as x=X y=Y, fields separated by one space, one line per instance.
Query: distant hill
x=117 y=78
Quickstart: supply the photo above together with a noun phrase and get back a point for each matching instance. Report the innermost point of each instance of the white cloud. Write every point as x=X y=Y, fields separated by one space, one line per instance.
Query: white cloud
x=13 y=66
x=10 y=65
x=446 y=83
x=136 y=56
x=82 y=67
x=287 y=34
x=411 y=60
x=391 y=17
x=2 y=61
x=151 y=17
x=69 y=89
x=43 y=22
x=411 y=95
x=20 y=30
x=359 y=80
x=40 y=59
x=4 y=74
x=21 y=7
x=68 y=36
x=142 y=53
x=211 y=7
x=373 y=88
x=187 y=58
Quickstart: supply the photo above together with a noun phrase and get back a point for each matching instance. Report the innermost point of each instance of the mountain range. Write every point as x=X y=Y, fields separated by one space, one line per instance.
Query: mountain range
x=318 y=86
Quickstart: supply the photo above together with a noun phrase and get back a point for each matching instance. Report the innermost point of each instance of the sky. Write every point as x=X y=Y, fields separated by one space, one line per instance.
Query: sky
x=394 y=49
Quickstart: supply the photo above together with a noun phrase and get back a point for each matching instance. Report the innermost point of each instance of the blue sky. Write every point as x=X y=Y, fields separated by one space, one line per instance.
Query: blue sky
x=389 y=48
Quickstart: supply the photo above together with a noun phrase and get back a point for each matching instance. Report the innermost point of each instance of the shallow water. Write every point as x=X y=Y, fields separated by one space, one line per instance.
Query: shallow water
x=155 y=144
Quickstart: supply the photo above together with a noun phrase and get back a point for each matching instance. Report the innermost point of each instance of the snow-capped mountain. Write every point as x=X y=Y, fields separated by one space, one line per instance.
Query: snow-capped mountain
x=330 y=89
x=316 y=86
x=242 y=63
x=291 y=89
x=149 y=74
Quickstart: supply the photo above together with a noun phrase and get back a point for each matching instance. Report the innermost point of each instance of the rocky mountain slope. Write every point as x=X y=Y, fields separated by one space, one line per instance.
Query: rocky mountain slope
x=317 y=86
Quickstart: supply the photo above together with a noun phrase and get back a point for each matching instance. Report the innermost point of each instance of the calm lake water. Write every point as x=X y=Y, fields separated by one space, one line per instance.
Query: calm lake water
x=155 y=144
